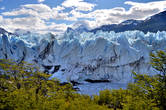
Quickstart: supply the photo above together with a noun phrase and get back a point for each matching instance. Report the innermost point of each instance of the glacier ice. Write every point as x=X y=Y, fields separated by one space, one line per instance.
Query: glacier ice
x=103 y=55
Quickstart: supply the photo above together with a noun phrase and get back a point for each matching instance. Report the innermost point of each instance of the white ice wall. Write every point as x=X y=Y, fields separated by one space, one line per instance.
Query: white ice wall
x=104 y=55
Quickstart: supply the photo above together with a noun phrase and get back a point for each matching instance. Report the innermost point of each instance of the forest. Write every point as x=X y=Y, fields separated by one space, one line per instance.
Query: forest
x=24 y=87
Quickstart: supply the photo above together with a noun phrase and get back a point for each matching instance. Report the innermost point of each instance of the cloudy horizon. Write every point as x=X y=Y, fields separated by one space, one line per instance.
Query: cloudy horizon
x=56 y=15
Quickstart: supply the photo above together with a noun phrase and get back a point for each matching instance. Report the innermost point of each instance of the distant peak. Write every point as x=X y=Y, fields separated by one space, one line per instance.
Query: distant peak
x=162 y=13
x=22 y=32
x=130 y=21
x=69 y=29
x=3 y=31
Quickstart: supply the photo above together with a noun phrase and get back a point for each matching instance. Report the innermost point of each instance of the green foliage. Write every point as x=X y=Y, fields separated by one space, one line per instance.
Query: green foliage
x=23 y=87
x=158 y=61
x=147 y=93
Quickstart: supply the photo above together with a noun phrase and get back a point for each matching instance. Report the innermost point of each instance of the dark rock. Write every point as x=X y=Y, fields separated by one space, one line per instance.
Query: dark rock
x=56 y=68
x=46 y=50
x=76 y=88
x=97 y=81
x=63 y=70
x=75 y=83
x=64 y=83
x=48 y=67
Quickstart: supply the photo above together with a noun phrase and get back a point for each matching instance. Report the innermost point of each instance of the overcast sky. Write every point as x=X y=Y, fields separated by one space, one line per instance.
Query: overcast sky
x=56 y=15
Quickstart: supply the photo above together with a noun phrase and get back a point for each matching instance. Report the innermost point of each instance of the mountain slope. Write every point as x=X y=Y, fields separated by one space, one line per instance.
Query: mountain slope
x=153 y=24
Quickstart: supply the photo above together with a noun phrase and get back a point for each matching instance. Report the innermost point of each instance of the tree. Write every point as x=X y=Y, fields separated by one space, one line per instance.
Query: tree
x=153 y=87
x=158 y=61
x=23 y=87
x=148 y=92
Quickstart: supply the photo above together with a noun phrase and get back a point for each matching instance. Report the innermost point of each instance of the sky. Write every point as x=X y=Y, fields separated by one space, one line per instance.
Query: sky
x=55 y=16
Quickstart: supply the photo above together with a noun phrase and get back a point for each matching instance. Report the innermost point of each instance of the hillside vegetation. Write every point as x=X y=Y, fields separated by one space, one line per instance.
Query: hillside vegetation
x=23 y=87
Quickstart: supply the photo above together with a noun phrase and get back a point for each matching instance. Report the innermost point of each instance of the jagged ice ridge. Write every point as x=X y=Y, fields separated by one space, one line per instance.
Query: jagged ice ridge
x=73 y=56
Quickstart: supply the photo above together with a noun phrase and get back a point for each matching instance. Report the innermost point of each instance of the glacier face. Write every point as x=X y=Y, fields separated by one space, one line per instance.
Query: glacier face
x=77 y=57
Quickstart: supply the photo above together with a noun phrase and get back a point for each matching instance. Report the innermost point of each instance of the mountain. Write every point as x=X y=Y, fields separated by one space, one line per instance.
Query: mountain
x=21 y=32
x=79 y=29
x=3 y=31
x=152 y=24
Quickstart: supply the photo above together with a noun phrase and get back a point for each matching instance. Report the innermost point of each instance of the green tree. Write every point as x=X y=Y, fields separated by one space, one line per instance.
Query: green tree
x=148 y=92
x=153 y=88
x=23 y=87
x=158 y=61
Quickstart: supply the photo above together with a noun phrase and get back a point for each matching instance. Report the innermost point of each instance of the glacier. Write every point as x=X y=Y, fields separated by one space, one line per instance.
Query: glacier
x=77 y=56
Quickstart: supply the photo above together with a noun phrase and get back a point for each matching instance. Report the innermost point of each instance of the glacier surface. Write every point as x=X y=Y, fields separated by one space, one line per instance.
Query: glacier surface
x=77 y=57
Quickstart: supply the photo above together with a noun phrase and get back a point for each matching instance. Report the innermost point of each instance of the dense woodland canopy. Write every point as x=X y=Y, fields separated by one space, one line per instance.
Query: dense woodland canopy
x=23 y=87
